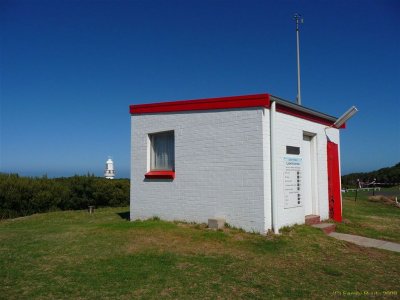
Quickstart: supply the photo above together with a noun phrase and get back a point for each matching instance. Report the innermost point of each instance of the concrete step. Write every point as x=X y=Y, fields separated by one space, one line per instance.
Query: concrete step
x=327 y=228
x=312 y=219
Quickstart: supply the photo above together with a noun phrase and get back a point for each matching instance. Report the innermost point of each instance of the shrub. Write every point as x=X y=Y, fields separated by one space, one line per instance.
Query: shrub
x=20 y=196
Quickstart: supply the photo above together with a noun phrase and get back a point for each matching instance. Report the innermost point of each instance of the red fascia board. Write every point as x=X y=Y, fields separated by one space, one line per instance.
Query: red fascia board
x=160 y=175
x=258 y=100
x=303 y=115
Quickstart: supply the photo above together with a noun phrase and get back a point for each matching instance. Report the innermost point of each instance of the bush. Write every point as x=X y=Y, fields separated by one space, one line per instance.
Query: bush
x=21 y=196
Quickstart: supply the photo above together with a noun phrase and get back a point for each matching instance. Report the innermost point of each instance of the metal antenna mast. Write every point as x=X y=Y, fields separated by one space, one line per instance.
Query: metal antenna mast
x=297 y=17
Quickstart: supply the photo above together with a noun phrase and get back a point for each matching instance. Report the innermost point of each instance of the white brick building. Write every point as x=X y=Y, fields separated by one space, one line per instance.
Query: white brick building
x=257 y=161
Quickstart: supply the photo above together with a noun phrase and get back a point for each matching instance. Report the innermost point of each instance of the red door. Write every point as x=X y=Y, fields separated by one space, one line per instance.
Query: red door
x=335 y=199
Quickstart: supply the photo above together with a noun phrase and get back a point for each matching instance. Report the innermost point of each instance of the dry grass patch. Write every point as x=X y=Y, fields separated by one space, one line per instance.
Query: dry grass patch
x=383 y=199
x=193 y=241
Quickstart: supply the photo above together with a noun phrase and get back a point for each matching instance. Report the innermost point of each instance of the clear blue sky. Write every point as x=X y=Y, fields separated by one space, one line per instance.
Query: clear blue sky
x=70 y=70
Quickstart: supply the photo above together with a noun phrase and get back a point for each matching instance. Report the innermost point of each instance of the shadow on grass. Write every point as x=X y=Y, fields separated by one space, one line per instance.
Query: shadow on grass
x=124 y=215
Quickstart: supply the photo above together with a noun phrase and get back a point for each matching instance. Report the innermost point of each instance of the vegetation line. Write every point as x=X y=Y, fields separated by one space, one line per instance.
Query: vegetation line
x=21 y=196
x=385 y=177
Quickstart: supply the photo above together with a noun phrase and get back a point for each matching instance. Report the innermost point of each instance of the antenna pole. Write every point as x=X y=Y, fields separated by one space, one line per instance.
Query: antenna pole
x=298 y=20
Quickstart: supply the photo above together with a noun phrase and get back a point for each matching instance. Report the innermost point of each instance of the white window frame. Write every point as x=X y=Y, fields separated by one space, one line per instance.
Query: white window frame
x=152 y=154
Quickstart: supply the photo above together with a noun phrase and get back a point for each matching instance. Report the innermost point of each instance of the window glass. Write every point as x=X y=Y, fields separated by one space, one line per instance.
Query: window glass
x=162 y=151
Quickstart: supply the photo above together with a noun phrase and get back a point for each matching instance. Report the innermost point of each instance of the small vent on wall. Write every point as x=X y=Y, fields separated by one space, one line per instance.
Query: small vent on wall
x=292 y=150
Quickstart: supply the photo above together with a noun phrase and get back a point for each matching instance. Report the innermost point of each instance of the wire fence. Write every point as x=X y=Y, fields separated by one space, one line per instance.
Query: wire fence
x=366 y=192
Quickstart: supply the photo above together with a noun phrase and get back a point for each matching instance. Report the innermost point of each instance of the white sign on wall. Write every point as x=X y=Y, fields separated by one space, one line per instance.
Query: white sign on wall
x=292 y=182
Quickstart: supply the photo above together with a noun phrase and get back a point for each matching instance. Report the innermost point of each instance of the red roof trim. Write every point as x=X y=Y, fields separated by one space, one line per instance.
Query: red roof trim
x=160 y=175
x=303 y=115
x=259 y=100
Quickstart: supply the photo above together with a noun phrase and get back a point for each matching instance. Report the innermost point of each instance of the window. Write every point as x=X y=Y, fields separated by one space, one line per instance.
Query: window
x=162 y=155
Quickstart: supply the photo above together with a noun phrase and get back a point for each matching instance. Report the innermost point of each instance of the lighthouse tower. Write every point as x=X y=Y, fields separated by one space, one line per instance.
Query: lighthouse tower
x=109 y=172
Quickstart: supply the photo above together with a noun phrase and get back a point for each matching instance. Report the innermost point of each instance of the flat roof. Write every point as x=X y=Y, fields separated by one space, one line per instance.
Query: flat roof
x=245 y=101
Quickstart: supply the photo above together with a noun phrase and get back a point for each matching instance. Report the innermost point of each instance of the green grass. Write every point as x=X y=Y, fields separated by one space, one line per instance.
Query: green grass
x=370 y=219
x=74 y=255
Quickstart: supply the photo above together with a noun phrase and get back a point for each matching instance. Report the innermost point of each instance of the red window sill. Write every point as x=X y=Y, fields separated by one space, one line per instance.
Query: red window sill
x=160 y=175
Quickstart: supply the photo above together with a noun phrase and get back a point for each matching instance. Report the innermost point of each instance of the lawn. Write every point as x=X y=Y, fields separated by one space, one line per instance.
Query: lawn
x=72 y=254
x=370 y=219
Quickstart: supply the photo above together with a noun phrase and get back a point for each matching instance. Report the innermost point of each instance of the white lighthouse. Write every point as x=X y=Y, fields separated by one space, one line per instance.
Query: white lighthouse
x=109 y=172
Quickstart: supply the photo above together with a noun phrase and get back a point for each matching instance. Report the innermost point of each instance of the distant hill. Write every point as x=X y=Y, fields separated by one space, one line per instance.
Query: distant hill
x=388 y=176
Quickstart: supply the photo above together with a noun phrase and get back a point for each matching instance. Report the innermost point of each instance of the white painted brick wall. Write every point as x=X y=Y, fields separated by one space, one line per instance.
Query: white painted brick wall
x=289 y=131
x=218 y=164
